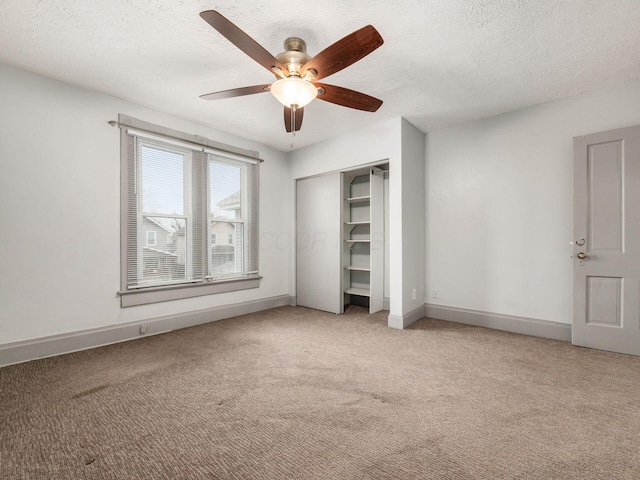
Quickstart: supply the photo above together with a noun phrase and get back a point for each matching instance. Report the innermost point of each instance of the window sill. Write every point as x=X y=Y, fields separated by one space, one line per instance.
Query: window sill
x=145 y=296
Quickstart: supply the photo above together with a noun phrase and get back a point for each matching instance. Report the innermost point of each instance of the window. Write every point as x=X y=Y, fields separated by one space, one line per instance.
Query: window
x=179 y=197
x=151 y=265
x=151 y=238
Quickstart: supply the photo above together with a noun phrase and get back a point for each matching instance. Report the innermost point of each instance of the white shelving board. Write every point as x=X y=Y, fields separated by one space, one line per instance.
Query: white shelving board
x=359 y=199
x=363 y=274
x=363 y=292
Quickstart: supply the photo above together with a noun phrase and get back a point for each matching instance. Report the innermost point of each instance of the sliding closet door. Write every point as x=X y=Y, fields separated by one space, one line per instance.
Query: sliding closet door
x=318 y=243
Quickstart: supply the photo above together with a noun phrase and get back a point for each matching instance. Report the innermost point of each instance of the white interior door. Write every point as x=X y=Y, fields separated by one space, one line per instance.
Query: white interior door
x=606 y=271
x=319 y=243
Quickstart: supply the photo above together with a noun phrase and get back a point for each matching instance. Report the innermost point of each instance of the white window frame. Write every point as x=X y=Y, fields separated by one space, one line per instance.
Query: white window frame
x=155 y=240
x=139 y=295
x=242 y=220
x=186 y=214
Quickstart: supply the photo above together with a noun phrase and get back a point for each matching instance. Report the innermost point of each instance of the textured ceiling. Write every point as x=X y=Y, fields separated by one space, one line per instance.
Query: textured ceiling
x=444 y=62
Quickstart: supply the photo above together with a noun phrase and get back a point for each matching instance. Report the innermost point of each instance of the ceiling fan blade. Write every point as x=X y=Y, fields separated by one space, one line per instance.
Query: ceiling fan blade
x=348 y=98
x=236 y=92
x=344 y=52
x=241 y=40
x=299 y=113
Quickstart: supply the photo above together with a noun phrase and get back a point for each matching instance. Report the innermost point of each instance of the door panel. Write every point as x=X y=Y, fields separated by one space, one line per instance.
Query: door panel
x=606 y=284
x=605 y=196
x=604 y=297
x=319 y=243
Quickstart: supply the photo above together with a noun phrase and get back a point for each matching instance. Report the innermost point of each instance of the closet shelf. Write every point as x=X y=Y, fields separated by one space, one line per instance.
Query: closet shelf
x=358 y=199
x=362 y=229
x=363 y=292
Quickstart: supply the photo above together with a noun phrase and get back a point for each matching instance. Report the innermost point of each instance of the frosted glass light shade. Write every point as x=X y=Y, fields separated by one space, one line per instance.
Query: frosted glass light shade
x=294 y=92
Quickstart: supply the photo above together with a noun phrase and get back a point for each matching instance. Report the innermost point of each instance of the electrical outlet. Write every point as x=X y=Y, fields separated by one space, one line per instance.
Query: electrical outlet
x=435 y=293
x=413 y=294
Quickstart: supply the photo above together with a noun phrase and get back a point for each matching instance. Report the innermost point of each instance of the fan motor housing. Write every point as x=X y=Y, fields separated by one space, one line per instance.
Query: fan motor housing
x=294 y=56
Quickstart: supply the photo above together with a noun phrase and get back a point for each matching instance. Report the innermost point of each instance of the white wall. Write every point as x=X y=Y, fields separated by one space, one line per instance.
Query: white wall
x=360 y=147
x=60 y=210
x=413 y=225
x=402 y=145
x=499 y=204
x=387 y=251
x=379 y=142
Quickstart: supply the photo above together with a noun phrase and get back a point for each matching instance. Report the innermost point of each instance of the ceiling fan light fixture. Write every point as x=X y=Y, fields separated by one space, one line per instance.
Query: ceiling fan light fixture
x=297 y=72
x=294 y=92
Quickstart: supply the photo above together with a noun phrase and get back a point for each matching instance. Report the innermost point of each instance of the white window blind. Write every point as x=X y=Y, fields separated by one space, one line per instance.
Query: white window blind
x=180 y=199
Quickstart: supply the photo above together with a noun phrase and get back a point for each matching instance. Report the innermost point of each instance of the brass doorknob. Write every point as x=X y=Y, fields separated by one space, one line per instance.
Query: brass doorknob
x=582 y=256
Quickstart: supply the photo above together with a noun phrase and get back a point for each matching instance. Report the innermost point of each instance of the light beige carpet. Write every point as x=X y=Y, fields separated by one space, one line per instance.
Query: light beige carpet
x=293 y=393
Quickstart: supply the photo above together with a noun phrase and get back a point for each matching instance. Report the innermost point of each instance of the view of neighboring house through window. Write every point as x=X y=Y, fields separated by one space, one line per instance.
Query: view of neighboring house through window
x=183 y=204
x=227 y=200
x=163 y=212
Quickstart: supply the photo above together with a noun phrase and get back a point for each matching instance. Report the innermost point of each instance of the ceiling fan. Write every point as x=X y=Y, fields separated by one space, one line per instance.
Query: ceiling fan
x=297 y=73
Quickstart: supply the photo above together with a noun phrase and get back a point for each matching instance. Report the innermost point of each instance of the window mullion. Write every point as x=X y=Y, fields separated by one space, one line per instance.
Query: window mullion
x=244 y=226
x=188 y=204
x=201 y=218
x=139 y=216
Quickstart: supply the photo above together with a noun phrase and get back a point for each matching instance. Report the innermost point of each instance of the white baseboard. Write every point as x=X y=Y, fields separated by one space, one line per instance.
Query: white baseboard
x=24 y=351
x=293 y=301
x=509 y=323
x=403 y=321
x=386 y=303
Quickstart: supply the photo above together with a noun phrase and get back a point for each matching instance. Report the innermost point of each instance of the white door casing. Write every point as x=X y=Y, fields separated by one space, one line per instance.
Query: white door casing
x=606 y=226
x=376 y=247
